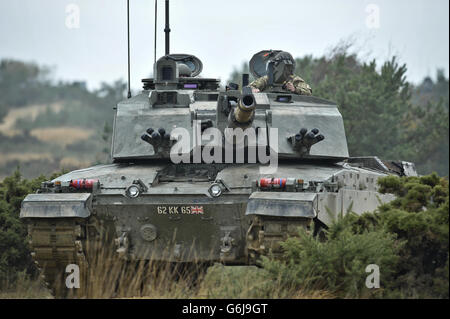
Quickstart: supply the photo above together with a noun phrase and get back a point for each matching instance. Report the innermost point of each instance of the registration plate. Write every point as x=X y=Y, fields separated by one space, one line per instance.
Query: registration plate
x=180 y=210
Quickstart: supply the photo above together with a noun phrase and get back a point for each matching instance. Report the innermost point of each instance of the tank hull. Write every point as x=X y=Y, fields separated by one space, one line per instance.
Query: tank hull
x=177 y=220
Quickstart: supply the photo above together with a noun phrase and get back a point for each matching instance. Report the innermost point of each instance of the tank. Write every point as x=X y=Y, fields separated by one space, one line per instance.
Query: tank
x=204 y=174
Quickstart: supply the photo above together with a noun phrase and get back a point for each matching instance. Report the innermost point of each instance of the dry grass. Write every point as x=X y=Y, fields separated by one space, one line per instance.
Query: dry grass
x=111 y=277
x=73 y=163
x=25 y=157
x=28 y=112
x=147 y=280
x=26 y=288
x=56 y=135
x=61 y=135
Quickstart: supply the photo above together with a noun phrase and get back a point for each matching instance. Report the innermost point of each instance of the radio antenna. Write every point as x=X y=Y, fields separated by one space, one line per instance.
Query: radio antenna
x=167 y=28
x=128 y=29
x=156 y=17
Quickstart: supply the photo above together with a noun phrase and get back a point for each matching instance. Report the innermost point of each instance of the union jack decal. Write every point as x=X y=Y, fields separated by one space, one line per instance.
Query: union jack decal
x=197 y=209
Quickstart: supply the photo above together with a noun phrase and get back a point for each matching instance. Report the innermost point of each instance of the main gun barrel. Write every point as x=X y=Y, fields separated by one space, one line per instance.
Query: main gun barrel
x=243 y=114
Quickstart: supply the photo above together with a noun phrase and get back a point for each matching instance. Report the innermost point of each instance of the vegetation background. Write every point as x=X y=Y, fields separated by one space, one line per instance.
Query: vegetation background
x=48 y=126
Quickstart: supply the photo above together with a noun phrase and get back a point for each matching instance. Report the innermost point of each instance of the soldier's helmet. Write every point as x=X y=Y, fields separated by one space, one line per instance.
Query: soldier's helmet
x=280 y=63
x=284 y=66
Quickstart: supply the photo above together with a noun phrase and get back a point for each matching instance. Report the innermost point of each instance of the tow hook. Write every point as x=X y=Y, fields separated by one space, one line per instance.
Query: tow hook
x=122 y=244
x=226 y=249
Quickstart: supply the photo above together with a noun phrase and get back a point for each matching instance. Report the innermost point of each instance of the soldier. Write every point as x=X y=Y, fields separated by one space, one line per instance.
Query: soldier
x=283 y=74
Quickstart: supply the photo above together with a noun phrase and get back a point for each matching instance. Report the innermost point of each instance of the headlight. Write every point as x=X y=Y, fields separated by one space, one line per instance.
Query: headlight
x=215 y=190
x=133 y=191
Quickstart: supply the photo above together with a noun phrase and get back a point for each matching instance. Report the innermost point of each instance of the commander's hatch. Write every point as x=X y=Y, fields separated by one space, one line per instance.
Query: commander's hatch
x=179 y=72
x=192 y=62
x=259 y=61
x=166 y=68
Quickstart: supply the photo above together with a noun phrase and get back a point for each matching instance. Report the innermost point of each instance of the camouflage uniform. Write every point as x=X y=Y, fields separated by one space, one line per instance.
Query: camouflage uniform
x=301 y=87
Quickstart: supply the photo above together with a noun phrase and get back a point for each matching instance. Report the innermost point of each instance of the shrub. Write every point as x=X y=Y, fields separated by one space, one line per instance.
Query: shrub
x=407 y=238
x=14 y=250
x=337 y=265
x=420 y=217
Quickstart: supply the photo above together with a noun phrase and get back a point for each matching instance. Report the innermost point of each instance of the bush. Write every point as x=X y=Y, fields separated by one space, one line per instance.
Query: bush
x=420 y=217
x=407 y=238
x=14 y=250
x=337 y=265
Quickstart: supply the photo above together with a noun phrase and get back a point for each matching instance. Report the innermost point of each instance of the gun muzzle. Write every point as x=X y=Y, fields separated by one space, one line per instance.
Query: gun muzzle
x=245 y=109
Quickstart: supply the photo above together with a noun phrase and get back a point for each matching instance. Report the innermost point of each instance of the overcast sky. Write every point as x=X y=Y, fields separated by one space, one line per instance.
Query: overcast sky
x=222 y=34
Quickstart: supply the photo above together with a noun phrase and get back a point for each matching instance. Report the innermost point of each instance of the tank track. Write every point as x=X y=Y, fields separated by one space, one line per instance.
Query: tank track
x=56 y=243
x=265 y=235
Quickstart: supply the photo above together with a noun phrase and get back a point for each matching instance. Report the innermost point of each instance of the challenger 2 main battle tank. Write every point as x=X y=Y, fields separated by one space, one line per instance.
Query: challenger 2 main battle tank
x=203 y=174
x=156 y=206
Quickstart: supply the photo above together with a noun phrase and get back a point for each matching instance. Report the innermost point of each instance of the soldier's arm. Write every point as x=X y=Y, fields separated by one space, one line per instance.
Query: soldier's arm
x=260 y=83
x=301 y=87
